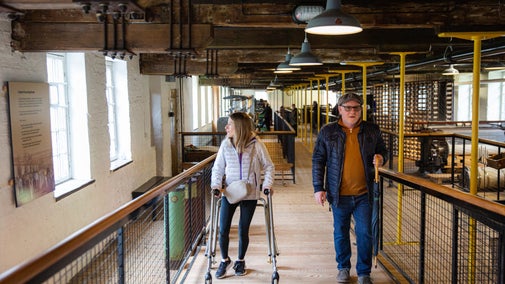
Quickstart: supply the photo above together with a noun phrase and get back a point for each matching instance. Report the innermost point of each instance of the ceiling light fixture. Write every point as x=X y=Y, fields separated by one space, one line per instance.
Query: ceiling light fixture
x=450 y=71
x=492 y=66
x=305 y=57
x=284 y=67
x=274 y=84
x=333 y=21
x=277 y=71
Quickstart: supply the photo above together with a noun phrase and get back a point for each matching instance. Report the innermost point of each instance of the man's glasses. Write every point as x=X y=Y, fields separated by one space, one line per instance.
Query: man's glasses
x=349 y=108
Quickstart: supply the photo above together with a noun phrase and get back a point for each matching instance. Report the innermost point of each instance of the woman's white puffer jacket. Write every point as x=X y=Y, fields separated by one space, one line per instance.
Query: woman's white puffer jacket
x=228 y=163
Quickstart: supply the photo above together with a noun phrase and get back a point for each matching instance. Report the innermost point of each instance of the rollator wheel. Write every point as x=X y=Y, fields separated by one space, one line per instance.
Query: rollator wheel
x=275 y=278
x=208 y=278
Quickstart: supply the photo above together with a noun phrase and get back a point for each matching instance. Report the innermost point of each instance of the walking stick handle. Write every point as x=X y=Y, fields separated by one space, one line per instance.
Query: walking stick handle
x=376 y=166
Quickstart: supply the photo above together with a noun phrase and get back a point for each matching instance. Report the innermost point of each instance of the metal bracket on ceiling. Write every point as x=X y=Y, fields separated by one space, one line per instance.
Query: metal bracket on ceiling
x=132 y=11
x=180 y=57
x=119 y=15
x=13 y=13
x=212 y=63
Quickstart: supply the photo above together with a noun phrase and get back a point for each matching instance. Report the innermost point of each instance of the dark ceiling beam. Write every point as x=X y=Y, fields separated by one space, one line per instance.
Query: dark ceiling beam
x=140 y=38
x=251 y=37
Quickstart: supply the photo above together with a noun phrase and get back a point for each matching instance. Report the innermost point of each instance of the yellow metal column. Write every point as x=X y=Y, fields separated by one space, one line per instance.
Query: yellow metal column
x=363 y=65
x=311 y=112
x=401 y=123
x=297 y=102
x=327 y=83
x=477 y=38
x=342 y=73
x=318 y=104
x=305 y=112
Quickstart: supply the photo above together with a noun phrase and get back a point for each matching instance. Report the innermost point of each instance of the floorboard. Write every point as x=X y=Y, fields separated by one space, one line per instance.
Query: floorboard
x=303 y=233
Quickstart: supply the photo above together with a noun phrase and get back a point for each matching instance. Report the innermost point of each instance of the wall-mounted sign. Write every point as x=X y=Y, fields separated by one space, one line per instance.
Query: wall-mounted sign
x=31 y=140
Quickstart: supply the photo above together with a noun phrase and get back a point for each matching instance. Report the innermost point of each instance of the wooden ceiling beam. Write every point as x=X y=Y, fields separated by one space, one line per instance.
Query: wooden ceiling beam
x=140 y=38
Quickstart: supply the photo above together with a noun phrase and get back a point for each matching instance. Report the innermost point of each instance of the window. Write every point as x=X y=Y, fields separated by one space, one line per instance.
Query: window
x=195 y=102
x=118 y=112
x=68 y=99
x=59 y=117
x=496 y=96
x=463 y=97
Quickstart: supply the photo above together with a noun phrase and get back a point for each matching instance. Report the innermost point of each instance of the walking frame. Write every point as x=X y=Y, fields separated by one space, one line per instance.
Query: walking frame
x=210 y=251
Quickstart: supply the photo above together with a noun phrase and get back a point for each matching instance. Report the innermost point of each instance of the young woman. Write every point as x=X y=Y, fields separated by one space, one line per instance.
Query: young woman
x=241 y=156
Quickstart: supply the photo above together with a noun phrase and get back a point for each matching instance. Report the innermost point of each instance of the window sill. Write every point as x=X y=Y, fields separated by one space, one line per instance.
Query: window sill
x=116 y=165
x=65 y=189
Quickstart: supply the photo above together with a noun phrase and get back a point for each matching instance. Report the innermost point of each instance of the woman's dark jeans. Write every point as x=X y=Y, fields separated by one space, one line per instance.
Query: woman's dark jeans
x=247 y=208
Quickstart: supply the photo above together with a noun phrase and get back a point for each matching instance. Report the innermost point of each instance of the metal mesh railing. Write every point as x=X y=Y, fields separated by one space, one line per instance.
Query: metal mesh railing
x=280 y=144
x=434 y=234
x=149 y=240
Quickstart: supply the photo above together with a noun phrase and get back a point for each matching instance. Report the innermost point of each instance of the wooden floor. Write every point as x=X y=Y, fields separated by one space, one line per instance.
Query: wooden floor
x=303 y=233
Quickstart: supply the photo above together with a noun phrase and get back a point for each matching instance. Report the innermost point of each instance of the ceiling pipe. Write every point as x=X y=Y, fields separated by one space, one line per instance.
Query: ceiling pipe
x=492 y=51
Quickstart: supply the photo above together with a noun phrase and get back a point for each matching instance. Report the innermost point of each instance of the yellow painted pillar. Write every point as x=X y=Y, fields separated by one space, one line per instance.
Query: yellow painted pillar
x=311 y=138
x=477 y=38
x=318 y=104
x=305 y=115
x=401 y=134
x=327 y=83
x=342 y=73
x=364 y=66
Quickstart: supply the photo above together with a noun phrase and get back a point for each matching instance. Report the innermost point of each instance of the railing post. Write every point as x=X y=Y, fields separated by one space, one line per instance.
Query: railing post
x=422 y=237
x=454 y=247
x=190 y=205
x=166 y=213
x=501 y=263
x=291 y=153
x=391 y=155
x=463 y=183
x=453 y=159
x=498 y=181
x=120 y=255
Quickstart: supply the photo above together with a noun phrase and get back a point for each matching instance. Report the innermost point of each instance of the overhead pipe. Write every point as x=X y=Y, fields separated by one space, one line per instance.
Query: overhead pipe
x=492 y=51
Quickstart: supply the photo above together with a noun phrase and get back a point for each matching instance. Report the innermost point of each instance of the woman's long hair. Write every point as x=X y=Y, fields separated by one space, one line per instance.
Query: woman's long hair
x=244 y=127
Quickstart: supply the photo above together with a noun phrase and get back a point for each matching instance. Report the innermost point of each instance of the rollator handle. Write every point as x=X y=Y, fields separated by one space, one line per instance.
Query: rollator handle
x=216 y=192
x=266 y=191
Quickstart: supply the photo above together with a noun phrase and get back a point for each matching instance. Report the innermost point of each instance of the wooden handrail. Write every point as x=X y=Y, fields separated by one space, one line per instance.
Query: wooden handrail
x=28 y=270
x=446 y=193
x=436 y=122
x=276 y=132
x=445 y=134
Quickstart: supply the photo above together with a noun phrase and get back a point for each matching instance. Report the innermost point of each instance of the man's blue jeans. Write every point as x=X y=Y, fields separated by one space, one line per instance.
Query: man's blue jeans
x=360 y=208
x=247 y=208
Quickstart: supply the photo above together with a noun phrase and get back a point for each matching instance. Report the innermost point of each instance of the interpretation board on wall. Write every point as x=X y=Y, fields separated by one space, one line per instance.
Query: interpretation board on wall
x=31 y=140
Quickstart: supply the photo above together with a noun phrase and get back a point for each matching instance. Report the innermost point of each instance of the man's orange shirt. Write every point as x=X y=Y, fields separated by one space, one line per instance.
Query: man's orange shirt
x=353 y=172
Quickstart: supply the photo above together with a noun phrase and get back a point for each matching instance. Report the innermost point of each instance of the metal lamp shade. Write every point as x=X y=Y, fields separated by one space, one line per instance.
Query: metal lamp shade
x=450 y=71
x=333 y=21
x=284 y=66
x=305 y=57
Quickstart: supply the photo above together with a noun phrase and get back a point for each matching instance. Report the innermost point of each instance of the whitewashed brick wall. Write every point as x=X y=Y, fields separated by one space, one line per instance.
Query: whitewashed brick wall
x=29 y=230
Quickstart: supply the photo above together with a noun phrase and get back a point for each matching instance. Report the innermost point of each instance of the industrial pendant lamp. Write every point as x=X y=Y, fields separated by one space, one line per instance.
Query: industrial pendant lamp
x=305 y=57
x=450 y=71
x=274 y=84
x=494 y=66
x=333 y=21
x=285 y=67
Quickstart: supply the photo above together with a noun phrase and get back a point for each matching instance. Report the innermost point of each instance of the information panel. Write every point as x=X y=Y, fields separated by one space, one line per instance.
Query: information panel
x=31 y=140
